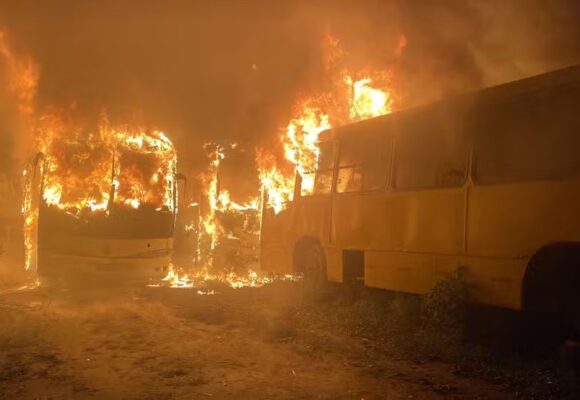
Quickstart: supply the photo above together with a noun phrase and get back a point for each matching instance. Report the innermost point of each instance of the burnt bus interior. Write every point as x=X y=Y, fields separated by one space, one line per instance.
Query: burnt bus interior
x=60 y=230
x=119 y=222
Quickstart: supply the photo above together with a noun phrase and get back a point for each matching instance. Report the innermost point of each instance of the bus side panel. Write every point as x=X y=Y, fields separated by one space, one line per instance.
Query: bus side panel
x=276 y=228
x=357 y=221
x=496 y=281
x=312 y=218
x=105 y=248
x=275 y=253
x=492 y=281
x=333 y=264
x=307 y=217
x=430 y=221
x=400 y=272
x=515 y=220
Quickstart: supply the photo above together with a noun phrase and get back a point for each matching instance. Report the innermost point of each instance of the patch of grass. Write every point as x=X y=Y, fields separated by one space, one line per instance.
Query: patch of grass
x=435 y=327
x=24 y=353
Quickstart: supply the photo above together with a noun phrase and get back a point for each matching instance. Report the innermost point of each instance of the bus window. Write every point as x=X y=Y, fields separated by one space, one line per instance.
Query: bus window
x=349 y=179
x=326 y=156
x=323 y=182
x=320 y=182
x=350 y=171
x=530 y=140
x=377 y=166
x=362 y=166
x=427 y=159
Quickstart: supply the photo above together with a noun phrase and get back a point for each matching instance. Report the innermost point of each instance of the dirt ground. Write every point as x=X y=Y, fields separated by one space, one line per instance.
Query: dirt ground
x=161 y=343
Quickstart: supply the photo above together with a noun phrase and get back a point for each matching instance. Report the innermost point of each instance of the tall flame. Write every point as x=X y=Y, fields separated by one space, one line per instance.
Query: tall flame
x=301 y=141
x=22 y=76
x=317 y=113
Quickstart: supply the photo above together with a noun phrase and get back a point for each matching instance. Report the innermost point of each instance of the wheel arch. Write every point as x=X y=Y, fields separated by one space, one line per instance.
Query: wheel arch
x=551 y=275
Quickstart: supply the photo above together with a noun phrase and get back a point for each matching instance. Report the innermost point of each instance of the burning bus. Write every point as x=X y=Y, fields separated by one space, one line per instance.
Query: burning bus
x=485 y=183
x=100 y=202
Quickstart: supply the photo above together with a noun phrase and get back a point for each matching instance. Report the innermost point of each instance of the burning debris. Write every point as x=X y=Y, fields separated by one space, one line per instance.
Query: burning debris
x=220 y=206
x=204 y=280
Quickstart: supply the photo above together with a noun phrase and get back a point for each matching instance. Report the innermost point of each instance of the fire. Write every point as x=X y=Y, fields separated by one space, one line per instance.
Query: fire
x=219 y=201
x=201 y=279
x=314 y=114
x=93 y=171
x=30 y=214
x=22 y=76
x=277 y=187
x=366 y=101
x=301 y=141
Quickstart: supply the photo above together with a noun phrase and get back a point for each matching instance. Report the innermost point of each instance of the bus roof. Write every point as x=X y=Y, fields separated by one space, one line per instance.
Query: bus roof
x=490 y=95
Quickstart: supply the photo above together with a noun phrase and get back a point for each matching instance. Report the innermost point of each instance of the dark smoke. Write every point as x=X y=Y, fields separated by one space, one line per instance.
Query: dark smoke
x=230 y=70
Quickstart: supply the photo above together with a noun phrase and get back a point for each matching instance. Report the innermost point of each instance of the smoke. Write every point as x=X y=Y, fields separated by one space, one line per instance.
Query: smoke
x=231 y=70
x=19 y=76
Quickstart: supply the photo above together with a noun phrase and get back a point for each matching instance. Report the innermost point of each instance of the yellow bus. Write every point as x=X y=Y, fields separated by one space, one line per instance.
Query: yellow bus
x=487 y=182
x=123 y=243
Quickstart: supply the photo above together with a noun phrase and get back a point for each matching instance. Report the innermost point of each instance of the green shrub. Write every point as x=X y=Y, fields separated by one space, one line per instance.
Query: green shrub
x=443 y=312
x=446 y=305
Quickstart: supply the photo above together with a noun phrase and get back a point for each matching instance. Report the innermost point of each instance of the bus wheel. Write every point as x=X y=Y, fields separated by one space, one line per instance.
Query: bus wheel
x=551 y=290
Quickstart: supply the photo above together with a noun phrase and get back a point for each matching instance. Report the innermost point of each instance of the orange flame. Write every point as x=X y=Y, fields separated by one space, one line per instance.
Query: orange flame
x=218 y=200
x=200 y=279
x=22 y=76
x=115 y=165
x=318 y=113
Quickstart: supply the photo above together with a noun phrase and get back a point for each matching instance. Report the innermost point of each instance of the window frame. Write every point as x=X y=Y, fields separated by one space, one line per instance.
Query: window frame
x=512 y=102
x=388 y=156
x=330 y=169
x=466 y=172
